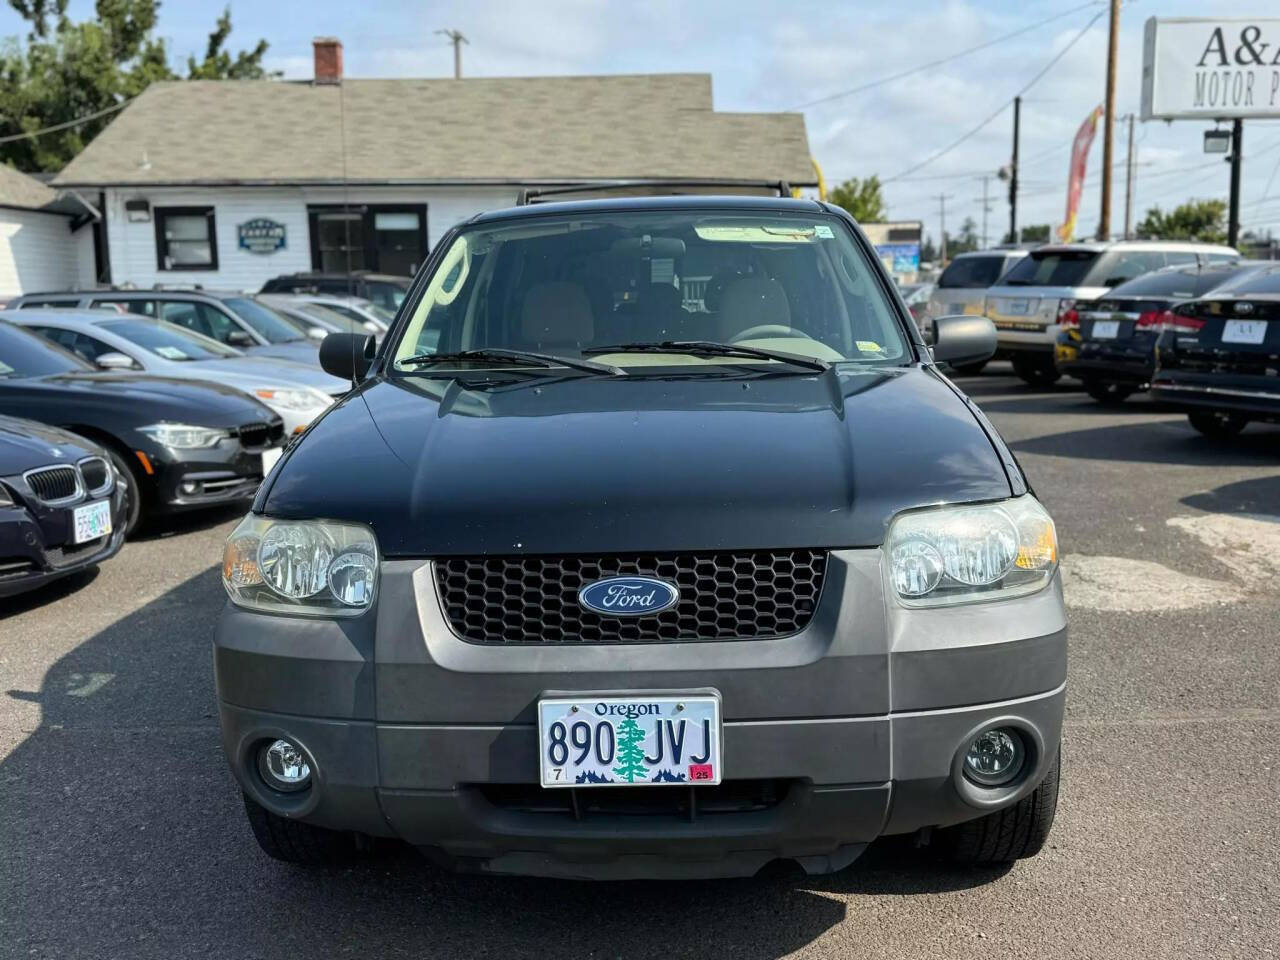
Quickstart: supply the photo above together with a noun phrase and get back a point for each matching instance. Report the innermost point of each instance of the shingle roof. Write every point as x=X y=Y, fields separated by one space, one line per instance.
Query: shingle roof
x=19 y=190
x=527 y=129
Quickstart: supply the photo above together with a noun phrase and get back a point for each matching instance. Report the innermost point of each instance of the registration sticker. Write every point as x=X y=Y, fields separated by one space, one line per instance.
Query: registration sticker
x=823 y=231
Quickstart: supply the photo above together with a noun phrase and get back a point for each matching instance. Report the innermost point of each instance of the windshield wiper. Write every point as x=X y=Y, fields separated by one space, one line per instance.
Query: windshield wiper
x=712 y=348
x=522 y=357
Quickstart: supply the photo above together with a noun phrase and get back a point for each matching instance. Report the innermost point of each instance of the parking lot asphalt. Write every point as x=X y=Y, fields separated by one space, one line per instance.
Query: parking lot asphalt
x=121 y=832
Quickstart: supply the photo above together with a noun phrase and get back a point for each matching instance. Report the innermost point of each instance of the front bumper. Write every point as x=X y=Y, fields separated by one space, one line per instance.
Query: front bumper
x=1257 y=397
x=855 y=724
x=190 y=479
x=35 y=549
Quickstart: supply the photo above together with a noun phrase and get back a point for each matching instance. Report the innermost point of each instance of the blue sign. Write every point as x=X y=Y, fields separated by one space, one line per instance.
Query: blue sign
x=628 y=596
x=261 y=235
x=904 y=257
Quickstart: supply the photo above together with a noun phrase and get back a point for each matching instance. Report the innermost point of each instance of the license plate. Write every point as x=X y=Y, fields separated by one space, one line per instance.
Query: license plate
x=636 y=740
x=1106 y=329
x=269 y=458
x=955 y=309
x=91 y=521
x=1244 y=331
x=1017 y=308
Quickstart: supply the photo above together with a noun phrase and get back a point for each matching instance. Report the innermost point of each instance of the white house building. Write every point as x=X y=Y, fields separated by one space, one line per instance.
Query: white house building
x=46 y=241
x=230 y=183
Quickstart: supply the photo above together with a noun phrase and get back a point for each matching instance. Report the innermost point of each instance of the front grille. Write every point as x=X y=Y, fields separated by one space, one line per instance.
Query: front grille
x=96 y=473
x=261 y=434
x=687 y=803
x=751 y=595
x=53 y=484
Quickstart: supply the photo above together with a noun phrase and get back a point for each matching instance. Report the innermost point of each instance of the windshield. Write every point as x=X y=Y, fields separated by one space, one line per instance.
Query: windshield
x=264 y=320
x=27 y=354
x=387 y=294
x=971 y=273
x=332 y=318
x=167 y=341
x=571 y=285
x=1065 y=268
x=1266 y=280
x=1181 y=284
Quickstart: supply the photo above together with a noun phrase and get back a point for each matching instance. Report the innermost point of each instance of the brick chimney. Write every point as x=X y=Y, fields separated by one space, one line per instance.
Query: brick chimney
x=328 y=51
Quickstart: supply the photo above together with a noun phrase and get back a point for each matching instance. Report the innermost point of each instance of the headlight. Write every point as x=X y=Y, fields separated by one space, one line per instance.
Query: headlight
x=305 y=567
x=962 y=554
x=291 y=399
x=183 y=436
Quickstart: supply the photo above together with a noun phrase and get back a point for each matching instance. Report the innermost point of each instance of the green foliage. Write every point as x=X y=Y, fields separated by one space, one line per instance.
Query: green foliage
x=863 y=199
x=630 y=754
x=67 y=70
x=1194 y=220
x=1032 y=233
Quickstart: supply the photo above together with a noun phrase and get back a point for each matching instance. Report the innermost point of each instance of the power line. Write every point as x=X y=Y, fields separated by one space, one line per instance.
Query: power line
x=936 y=63
x=1031 y=83
x=63 y=126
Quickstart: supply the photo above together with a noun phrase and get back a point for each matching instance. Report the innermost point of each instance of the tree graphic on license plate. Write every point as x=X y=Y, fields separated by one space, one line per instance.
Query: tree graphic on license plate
x=631 y=764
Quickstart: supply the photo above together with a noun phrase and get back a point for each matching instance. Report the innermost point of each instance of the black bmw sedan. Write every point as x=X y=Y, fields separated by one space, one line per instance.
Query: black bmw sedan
x=181 y=445
x=62 y=505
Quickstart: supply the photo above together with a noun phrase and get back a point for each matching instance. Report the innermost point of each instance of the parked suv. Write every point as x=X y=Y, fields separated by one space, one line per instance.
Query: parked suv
x=386 y=290
x=1038 y=296
x=583 y=581
x=235 y=319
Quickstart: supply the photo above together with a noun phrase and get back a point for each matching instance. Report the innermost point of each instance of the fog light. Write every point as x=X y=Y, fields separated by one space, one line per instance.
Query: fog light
x=995 y=757
x=284 y=766
x=189 y=488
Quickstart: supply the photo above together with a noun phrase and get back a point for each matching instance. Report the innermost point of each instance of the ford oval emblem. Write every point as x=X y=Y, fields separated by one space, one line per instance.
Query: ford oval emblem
x=628 y=596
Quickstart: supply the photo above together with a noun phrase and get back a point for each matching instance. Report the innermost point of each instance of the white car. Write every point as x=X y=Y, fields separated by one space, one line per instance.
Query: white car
x=123 y=341
x=373 y=318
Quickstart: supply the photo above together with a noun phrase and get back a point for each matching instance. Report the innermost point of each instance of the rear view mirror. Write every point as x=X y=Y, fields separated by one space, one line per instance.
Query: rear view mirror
x=347 y=355
x=239 y=338
x=963 y=340
x=112 y=360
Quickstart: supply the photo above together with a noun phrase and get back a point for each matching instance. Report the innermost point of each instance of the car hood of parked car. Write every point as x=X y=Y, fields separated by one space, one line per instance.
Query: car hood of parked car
x=25 y=444
x=265 y=371
x=138 y=397
x=650 y=463
x=300 y=351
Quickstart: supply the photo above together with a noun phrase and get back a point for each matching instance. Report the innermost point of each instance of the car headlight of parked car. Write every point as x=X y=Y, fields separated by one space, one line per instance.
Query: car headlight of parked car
x=304 y=567
x=183 y=436
x=967 y=553
x=293 y=400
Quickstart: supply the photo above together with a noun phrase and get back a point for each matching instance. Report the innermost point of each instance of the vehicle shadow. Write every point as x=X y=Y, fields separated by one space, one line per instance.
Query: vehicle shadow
x=122 y=834
x=1259 y=497
x=169 y=524
x=1159 y=441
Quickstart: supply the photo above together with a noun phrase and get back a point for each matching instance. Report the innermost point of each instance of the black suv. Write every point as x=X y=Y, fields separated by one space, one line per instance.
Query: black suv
x=384 y=289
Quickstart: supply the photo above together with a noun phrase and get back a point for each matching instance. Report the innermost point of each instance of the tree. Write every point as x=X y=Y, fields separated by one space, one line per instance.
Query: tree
x=1193 y=220
x=863 y=199
x=630 y=751
x=928 y=251
x=1032 y=233
x=966 y=240
x=66 y=71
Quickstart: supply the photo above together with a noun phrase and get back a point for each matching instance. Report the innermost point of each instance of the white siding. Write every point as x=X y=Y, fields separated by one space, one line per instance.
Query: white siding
x=86 y=270
x=37 y=252
x=133 y=245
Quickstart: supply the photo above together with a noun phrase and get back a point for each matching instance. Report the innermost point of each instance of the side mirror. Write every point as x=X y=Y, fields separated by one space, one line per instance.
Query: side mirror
x=963 y=340
x=239 y=338
x=114 y=361
x=347 y=355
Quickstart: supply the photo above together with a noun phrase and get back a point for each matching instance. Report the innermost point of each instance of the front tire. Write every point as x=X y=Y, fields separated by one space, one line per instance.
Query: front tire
x=132 y=493
x=1217 y=423
x=1107 y=394
x=1036 y=372
x=1007 y=835
x=292 y=841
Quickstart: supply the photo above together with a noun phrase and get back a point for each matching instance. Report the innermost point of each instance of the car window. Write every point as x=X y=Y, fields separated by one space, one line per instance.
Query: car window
x=1120 y=266
x=168 y=341
x=1266 y=280
x=1172 y=257
x=29 y=304
x=24 y=353
x=1065 y=268
x=1186 y=283
x=972 y=272
x=146 y=308
x=571 y=284
x=1221 y=257
x=84 y=346
x=387 y=295
x=333 y=318
x=266 y=322
x=200 y=317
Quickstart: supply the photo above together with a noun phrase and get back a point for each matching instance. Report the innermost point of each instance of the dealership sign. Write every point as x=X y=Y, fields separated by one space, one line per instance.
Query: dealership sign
x=261 y=235
x=1215 y=68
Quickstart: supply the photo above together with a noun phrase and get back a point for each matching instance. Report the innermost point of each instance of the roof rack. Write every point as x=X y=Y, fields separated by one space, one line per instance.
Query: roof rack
x=528 y=196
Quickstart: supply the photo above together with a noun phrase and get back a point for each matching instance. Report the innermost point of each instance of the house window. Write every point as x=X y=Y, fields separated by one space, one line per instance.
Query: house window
x=185 y=238
x=384 y=238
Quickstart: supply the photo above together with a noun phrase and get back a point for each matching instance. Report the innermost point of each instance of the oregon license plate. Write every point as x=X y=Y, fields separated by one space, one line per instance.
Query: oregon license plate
x=1106 y=329
x=91 y=521
x=1244 y=331
x=636 y=740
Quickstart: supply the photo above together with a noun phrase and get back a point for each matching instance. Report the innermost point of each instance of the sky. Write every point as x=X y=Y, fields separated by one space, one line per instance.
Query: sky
x=766 y=56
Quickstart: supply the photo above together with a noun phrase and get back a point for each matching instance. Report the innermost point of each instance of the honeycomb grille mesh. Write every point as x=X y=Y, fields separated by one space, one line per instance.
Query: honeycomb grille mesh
x=751 y=595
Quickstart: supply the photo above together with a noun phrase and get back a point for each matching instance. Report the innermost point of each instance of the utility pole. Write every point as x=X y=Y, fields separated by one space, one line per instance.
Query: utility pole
x=1013 y=173
x=1237 y=150
x=1130 y=169
x=985 y=210
x=457 y=39
x=942 y=206
x=1104 y=219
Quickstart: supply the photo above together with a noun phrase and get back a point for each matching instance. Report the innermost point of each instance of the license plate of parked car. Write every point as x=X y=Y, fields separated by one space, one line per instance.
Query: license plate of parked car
x=1106 y=329
x=1244 y=331
x=91 y=521
x=1019 y=307
x=635 y=740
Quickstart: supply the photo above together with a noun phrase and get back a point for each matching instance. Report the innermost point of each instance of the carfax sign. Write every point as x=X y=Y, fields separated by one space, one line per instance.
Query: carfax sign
x=1213 y=68
x=261 y=235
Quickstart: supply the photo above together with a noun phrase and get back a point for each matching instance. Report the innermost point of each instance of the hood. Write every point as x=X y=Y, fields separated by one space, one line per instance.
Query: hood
x=587 y=464
x=300 y=351
x=25 y=444
x=270 y=371
x=87 y=397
